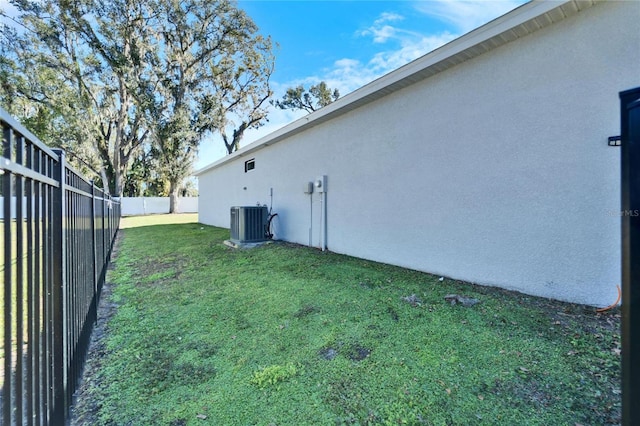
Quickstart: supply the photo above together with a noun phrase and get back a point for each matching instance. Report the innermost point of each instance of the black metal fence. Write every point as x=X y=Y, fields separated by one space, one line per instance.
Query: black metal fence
x=58 y=231
x=630 y=136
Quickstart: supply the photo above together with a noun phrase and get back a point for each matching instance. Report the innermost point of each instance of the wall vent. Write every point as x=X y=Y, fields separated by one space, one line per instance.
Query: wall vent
x=248 y=224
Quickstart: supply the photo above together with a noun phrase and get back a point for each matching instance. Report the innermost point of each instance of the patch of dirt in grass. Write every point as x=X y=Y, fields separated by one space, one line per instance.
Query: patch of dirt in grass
x=328 y=353
x=357 y=352
x=583 y=318
x=393 y=313
x=413 y=300
x=306 y=310
x=524 y=392
x=156 y=272
x=367 y=285
x=241 y=322
x=354 y=352
x=206 y=350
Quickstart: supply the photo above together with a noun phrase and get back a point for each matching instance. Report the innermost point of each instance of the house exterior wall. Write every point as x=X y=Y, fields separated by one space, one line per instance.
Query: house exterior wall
x=495 y=171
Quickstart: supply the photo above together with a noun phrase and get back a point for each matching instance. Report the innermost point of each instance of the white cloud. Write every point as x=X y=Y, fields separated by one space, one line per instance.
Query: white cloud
x=380 y=31
x=348 y=74
x=346 y=63
x=467 y=15
x=390 y=60
x=388 y=17
x=382 y=34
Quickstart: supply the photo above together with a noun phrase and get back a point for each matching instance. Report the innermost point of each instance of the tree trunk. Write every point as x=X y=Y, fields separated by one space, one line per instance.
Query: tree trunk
x=118 y=181
x=173 y=197
x=105 y=181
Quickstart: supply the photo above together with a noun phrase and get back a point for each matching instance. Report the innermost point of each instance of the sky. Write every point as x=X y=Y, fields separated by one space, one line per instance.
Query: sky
x=348 y=44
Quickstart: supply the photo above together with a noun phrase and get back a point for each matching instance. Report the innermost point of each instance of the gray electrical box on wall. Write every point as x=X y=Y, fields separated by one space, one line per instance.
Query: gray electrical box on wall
x=321 y=183
x=308 y=188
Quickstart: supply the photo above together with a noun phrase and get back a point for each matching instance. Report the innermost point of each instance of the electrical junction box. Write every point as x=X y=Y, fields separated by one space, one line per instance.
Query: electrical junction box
x=249 y=224
x=321 y=183
x=308 y=188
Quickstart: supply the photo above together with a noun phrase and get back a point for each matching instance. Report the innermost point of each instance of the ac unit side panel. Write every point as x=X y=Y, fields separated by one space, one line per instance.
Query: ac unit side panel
x=235 y=223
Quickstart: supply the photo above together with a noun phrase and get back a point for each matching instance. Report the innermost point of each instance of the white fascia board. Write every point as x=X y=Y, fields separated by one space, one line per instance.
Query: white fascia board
x=501 y=30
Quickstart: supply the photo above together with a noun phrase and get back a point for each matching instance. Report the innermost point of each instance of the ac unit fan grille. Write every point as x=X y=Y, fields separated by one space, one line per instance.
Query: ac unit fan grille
x=248 y=224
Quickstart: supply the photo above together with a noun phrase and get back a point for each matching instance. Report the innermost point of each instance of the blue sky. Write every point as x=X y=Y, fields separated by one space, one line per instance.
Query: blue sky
x=351 y=43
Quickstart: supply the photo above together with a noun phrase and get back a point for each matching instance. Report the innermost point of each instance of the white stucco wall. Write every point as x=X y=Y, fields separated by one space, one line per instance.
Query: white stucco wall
x=135 y=206
x=496 y=171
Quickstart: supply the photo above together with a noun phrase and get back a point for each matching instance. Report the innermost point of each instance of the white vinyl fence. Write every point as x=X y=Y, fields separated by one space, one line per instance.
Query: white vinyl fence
x=131 y=206
x=13 y=206
x=136 y=206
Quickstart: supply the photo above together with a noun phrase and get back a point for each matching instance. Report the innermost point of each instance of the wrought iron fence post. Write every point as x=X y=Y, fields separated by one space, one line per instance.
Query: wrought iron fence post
x=58 y=291
x=19 y=277
x=105 y=243
x=630 y=135
x=96 y=282
x=7 y=192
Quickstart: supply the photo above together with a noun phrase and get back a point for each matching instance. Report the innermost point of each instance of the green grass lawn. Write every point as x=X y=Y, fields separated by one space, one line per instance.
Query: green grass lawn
x=289 y=335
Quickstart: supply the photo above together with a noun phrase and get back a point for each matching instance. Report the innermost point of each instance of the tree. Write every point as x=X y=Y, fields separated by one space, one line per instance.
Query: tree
x=245 y=91
x=210 y=66
x=141 y=76
x=140 y=176
x=316 y=97
x=42 y=102
x=94 y=50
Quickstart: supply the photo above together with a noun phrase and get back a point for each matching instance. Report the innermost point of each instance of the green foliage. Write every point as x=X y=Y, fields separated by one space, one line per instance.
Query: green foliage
x=318 y=96
x=290 y=335
x=273 y=374
x=115 y=81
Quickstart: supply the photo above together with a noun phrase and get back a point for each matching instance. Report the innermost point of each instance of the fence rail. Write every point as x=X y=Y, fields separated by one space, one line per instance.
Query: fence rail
x=55 y=250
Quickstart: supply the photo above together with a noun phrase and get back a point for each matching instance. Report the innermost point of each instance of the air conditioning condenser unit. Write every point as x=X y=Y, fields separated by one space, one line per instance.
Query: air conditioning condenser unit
x=249 y=224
